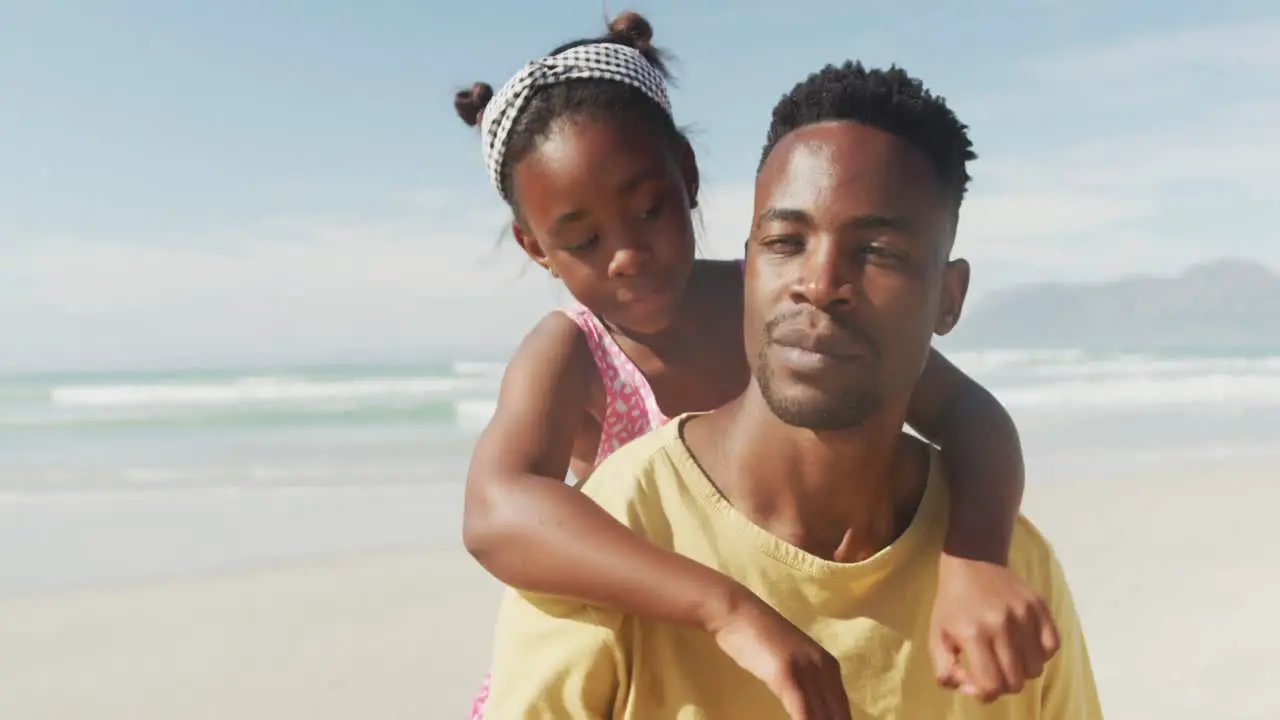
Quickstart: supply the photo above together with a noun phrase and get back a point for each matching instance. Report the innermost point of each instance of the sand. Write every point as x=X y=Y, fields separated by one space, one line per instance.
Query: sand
x=386 y=635
x=1176 y=574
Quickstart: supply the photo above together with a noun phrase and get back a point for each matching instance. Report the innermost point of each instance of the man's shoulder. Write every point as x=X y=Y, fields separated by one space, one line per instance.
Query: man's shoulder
x=1033 y=558
x=640 y=477
x=635 y=486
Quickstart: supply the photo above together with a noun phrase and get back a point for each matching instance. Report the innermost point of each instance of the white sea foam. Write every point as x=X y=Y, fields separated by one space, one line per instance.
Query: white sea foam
x=1148 y=392
x=1046 y=379
x=979 y=361
x=475 y=414
x=1072 y=380
x=257 y=390
x=371 y=428
x=488 y=369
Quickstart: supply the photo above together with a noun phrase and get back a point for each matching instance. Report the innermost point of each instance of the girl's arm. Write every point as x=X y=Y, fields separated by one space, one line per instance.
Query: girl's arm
x=983 y=612
x=534 y=532
x=983 y=458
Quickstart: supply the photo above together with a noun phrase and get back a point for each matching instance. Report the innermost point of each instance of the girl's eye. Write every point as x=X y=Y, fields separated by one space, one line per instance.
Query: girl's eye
x=585 y=245
x=652 y=212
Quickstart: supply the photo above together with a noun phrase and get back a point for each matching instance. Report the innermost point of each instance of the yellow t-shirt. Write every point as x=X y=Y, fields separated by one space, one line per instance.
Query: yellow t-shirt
x=556 y=658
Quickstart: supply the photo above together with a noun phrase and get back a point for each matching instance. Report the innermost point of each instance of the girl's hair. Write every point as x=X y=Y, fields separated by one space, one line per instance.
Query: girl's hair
x=596 y=98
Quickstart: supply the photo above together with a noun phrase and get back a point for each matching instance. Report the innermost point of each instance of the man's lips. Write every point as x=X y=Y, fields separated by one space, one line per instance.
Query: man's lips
x=831 y=343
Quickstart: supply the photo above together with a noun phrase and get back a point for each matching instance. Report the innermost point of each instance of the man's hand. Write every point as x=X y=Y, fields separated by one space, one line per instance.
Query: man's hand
x=803 y=675
x=990 y=633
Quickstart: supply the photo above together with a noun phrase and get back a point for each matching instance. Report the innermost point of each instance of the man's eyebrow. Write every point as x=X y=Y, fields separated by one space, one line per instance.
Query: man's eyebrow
x=783 y=215
x=859 y=222
x=877 y=222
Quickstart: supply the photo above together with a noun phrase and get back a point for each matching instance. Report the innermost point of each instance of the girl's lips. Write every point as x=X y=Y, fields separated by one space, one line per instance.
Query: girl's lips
x=638 y=298
x=642 y=296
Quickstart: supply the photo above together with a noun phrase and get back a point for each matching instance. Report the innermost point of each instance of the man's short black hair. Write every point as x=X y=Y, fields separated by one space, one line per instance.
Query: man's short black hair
x=890 y=100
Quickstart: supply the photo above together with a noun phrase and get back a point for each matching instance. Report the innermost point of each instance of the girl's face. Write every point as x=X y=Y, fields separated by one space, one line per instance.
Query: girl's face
x=604 y=205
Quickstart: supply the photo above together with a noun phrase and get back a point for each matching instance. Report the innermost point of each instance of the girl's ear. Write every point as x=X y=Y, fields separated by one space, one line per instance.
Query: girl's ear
x=531 y=247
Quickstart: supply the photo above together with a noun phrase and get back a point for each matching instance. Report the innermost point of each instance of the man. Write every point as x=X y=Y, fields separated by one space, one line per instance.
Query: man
x=805 y=489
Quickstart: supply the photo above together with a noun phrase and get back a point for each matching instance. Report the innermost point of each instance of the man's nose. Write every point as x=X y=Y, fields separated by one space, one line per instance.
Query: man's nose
x=824 y=278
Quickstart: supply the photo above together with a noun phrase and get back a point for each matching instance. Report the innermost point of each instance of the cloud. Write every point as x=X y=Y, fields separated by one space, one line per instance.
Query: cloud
x=1248 y=45
x=1096 y=189
x=1110 y=197
x=1237 y=146
x=435 y=273
x=1095 y=184
x=1154 y=190
x=287 y=289
x=726 y=219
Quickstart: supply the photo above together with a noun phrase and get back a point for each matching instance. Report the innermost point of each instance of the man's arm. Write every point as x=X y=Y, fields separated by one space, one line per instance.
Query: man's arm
x=1069 y=689
x=556 y=658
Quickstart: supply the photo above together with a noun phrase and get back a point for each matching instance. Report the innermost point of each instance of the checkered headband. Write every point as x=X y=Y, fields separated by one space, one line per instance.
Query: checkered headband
x=597 y=61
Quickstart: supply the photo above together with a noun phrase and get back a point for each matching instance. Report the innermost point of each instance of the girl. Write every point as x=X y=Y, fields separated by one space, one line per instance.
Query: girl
x=582 y=145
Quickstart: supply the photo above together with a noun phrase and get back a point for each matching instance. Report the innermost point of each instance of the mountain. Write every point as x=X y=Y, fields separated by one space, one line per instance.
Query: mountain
x=1224 y=303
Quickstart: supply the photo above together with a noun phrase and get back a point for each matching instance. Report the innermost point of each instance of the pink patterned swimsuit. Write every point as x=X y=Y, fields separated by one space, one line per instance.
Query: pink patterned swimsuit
x=630 y=410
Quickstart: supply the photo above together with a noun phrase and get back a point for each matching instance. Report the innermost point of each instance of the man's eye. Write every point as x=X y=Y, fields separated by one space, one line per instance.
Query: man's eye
x=883 y=252
x=784 y=243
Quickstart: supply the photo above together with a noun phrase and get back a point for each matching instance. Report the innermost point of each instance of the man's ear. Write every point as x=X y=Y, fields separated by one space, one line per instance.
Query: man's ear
x=955 y=287
x=689 y=172
x=531 y=246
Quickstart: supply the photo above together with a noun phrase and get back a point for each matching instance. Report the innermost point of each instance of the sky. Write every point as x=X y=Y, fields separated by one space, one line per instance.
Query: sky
x=240 y=183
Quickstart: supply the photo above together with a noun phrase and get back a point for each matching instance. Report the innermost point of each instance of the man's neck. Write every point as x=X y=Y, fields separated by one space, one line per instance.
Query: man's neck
x=840 y=495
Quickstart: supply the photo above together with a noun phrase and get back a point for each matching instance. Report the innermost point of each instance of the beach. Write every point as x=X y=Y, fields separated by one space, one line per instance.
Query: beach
x=264 y=268
x=382 y=635
x=1173 y=573
x=285 y=543
x=1172 y=570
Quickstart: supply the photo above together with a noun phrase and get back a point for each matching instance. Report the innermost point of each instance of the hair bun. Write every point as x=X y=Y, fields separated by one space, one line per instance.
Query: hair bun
x=470 y=104
x=632 y=26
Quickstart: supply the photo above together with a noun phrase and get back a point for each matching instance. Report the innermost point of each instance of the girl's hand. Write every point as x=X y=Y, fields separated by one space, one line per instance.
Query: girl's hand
x=990 y=633
x=803 y=675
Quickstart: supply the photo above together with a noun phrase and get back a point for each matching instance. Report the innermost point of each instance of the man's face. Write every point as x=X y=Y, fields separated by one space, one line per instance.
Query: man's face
x=847 y=274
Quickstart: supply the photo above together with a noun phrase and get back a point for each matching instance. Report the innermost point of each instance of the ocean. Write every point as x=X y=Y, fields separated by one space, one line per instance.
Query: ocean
x=112 y=476
x=361 y=427
x=229 y=429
